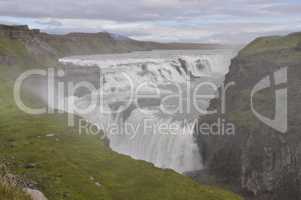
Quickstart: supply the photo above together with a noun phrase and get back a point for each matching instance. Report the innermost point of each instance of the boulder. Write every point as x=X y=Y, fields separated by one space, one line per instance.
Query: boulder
x=35 y=194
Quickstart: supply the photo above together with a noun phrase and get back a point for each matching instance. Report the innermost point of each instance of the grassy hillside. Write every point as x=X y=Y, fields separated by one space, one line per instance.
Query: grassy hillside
x=11 y=47
x=272 y=44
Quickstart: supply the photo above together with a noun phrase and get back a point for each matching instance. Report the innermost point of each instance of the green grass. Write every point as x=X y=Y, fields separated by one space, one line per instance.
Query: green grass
x=12 y=193
x=271 y=43
x=65 y=164
x=12 y=47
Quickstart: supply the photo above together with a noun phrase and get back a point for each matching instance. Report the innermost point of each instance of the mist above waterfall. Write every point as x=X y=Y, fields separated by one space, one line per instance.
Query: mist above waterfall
x=146 y=107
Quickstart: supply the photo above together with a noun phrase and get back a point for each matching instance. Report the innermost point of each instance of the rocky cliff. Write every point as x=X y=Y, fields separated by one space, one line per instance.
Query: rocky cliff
x=262 y=161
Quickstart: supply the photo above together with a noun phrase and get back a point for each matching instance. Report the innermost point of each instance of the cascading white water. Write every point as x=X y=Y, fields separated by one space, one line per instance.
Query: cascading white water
x=137 y=127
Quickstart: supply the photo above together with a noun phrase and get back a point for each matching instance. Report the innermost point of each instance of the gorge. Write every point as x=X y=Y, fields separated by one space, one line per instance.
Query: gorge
x=257 y=161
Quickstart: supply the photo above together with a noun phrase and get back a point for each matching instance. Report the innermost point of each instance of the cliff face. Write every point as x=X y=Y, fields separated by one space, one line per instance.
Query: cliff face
x=257 y=158
x=18 y=32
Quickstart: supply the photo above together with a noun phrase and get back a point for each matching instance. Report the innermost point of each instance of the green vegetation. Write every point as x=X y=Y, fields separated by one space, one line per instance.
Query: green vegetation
x=13 y=48
x=272 y=43
x=12 y=193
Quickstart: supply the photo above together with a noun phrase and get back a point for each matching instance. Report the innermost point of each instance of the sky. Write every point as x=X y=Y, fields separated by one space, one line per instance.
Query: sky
x=206 y=21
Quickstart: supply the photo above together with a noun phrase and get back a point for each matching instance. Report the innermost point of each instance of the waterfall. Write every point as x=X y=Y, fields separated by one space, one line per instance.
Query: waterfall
x=137 y=122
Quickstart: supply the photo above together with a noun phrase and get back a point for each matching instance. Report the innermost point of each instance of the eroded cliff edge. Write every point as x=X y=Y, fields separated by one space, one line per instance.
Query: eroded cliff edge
x=258 y=160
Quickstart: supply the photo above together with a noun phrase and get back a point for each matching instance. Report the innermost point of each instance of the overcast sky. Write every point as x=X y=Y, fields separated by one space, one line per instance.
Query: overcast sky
x=222 y=21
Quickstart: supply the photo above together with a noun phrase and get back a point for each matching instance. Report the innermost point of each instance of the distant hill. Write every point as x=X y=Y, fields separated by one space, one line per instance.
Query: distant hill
x=89 y=43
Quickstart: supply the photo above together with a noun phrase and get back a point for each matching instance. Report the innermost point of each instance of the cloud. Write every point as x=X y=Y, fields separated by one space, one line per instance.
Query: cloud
x=129 y=10
x=49 y=22
x=159 y=20
x=285 y=9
